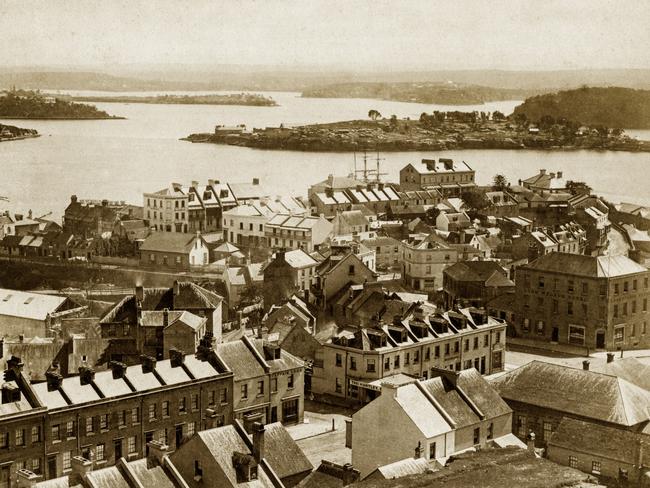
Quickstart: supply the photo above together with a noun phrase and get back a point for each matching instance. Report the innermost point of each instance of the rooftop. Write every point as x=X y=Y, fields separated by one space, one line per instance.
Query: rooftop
x=590 y=266
x=28 y=305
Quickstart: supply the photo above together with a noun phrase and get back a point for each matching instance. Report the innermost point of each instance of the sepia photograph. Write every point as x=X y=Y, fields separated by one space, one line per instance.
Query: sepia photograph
x=324 y=244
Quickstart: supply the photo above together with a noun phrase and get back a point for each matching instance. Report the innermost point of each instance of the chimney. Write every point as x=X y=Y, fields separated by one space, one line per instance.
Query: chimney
x=80 y=468
x=177 y=288
x=53 y=380
x=210 y=182
x=329 y=192
x=10 y=393
x=139 y=293
x=418 y=451
x=104 y=203
x=86 y=375
x=610 y=357
x=148 y=363
x=389 y=390
x=358 y=187
x=73 y=199
x=165 y=317
x=258 y=441
x=330 y=180
x=26 y=478
x=350 y=475
x=29 y=214
x=256 y=181
x=559 y=174
x=157 y=450
x=195 y=184
x=118 y=369
x=21 y=338
x=176 y=357
x=552 y=175
x=542 y=171
x=530 y=441
x=585 y=365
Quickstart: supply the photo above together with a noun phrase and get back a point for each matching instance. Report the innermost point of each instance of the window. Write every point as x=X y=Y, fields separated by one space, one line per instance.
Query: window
x=446 y=349
x=416 y=357
x=135 y=415
x=191 y=428
x=353 y=363
x=290 y=410
x=486 y=340
x=195 y=401
x=56 y=433
x=436 y=352
x=36 y=433
x=573 y=462
x=645 y=304
x=4 y=440
x=407 y=358
x=121 y=418
x=338 y=385
x=498 y=338
x=89 y=425
x=130 y=444
x=20 y=437
x=521 y=426
x=477 y=435
x=619 y=334
x=244 y=391
x=274 y=385
x=595 y=467
x=260 y=387
x=466 y=347
x=100 y=452
x=339 y=360
x=165 y=409
x=490 y=431
x=633 y=332
x=223 y=396
x=624 y=309
x=432 y=450
x=198 y=470
x=540 y=327
x=615 y=312
x=290 y=381
x=585 y=309
x=541 y=282
x=625 y=287
x=36 y=465
x=152 y=411
x=103 y=421
x=633 y=307
x=351 y=269
x=476 y=342
x=182 y=405
x=396 y=361
x=570 y=286
x=603 y=289
x=569 y=308
x=427 y=354
x=576 y=335
x=548 y=430
x=615 y=288
x=67 y=458
x=69 y=429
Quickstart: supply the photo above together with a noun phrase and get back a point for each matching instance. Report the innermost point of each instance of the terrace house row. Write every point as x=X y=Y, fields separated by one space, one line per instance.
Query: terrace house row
x=356 y=361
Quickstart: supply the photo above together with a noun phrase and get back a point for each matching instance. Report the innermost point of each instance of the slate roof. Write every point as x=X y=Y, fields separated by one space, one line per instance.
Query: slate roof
x=299 y=259
x=597 y=440
x=485 y=271
x=282 y=453
x=590 y=266
x=150 y=476
x=404 y=467
x=107 y=477
x=190 y=295
x=421 y=411
x=221 y=444
x=27 y=305
x=171 y=242
x=629 y=369
x=575 y=391
x=451 y=401
x=239 y=359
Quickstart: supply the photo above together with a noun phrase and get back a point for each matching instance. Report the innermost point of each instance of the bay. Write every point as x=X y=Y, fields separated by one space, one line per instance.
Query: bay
x=121 y=159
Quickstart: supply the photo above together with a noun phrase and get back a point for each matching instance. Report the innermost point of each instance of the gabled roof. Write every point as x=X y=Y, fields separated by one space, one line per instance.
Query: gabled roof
x=578 y=392
x=482 y=271
x=171 y=242
x=404 y=467
x=282 y=453
x=28 y=305
x=591 y=266
x=598 y=440
x=424 y=415
x=239 y=359
x=299 y=259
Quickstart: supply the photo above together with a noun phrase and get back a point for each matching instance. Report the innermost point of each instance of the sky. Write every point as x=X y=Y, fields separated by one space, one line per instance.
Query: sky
x=404 y=34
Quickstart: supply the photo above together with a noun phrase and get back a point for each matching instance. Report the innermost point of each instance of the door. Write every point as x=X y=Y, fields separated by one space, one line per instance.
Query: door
x=148 y=437
x=274 y=414
x=600 y=340
x=5 y=474
x=118 y=449
x=179 y=435
x=555 y=334
x=51 y=467
x=483 y=365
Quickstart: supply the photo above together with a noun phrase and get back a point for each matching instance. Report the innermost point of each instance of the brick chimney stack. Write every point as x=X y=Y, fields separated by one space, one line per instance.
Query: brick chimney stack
x=258 y=441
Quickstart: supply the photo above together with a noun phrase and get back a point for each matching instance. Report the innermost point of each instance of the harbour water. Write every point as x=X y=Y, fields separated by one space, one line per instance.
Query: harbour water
x=120 y=159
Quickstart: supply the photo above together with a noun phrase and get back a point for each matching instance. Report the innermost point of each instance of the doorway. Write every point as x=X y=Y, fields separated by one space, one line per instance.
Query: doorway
x=555 y=334
x=117 y=444
x=179 y=435
x=274 y=414
x=51 y=467
x=600 y=339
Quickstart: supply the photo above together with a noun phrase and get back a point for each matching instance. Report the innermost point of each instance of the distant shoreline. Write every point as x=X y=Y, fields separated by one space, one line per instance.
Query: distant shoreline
x=24 y=117
x=248 y=100
x=18 y=138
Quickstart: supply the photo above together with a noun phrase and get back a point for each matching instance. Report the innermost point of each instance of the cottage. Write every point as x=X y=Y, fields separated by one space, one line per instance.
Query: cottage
x=174 y=250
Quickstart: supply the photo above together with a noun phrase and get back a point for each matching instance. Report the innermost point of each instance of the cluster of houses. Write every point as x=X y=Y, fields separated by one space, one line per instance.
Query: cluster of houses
x=394 y=300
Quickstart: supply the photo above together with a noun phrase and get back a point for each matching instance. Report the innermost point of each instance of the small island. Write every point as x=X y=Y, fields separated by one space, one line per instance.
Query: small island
x=248 y=99
x=13 y=133
x=425 y=92
x=436 y=131
x=610 y=107
x=24 y=104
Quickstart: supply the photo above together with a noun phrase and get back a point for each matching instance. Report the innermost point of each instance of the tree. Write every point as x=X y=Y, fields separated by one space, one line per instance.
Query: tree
x=499 y=182
x=475 y=199
x=431 y=215
x=250 y=295
x=393 y=121
x=498 y=116
x=374 y=114
x=578 y=187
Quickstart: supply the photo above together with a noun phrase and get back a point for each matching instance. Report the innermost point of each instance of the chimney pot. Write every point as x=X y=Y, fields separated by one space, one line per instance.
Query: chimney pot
x=139 y=293
x=176 y=357
x=258 y=441
x=585 y=365
x=26 y=478
x=610 y=357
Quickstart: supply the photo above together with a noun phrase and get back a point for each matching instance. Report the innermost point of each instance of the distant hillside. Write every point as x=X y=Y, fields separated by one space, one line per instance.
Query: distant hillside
x=433 y=93
x=611 y=107
x=22 y=104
